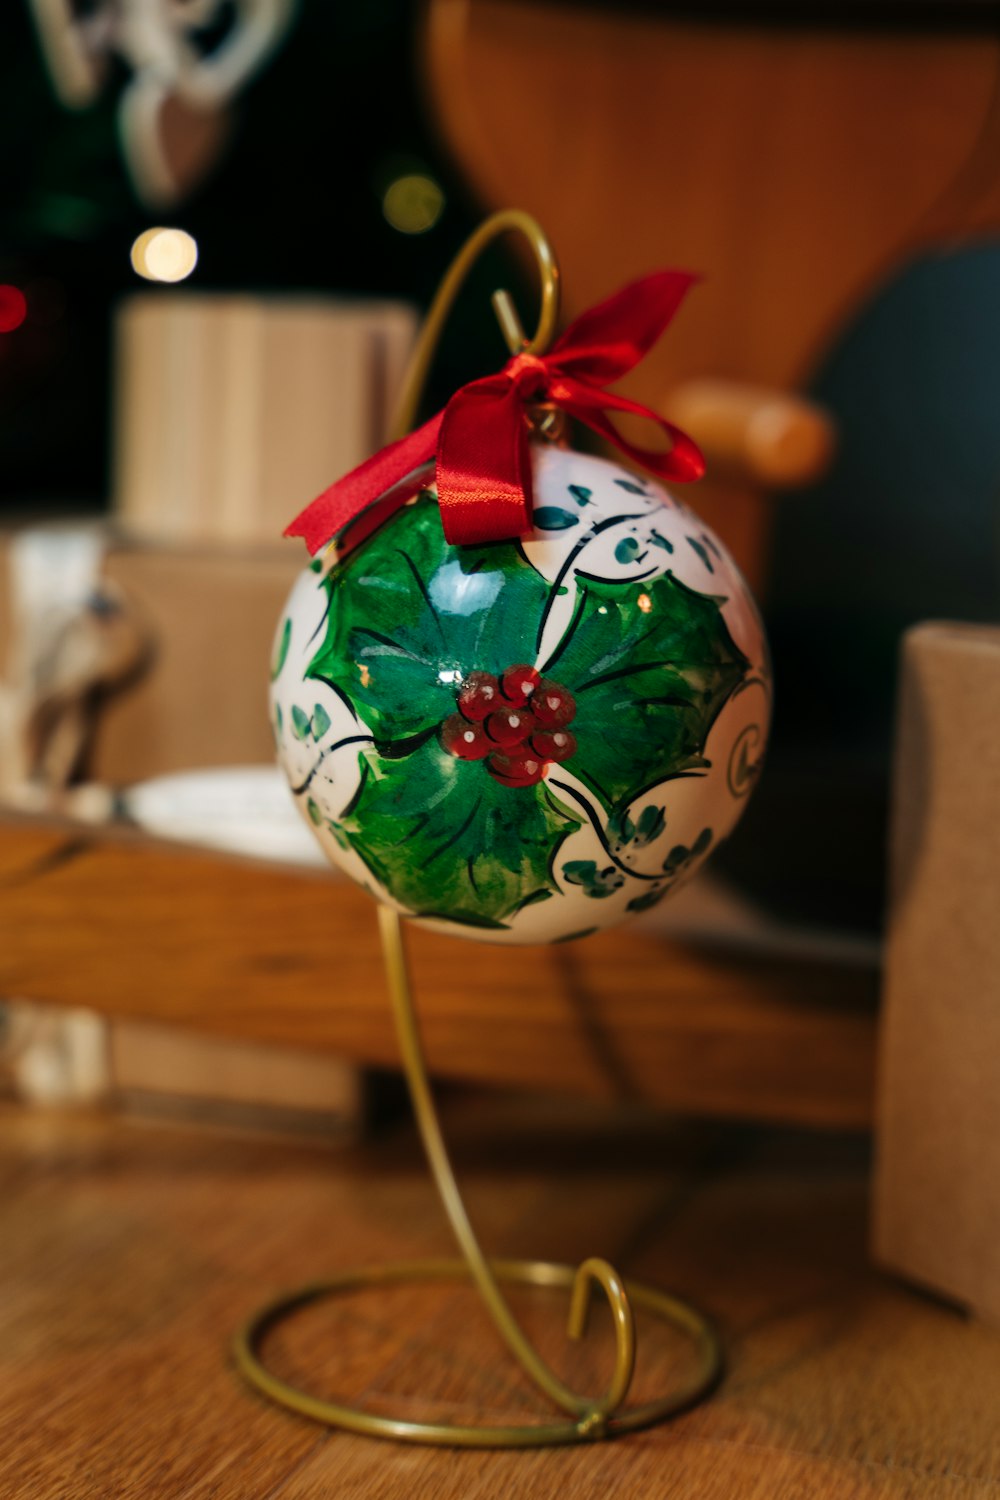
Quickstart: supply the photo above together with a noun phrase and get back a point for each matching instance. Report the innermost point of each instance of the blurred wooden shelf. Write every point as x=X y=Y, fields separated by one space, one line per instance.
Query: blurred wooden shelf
x=128 y=926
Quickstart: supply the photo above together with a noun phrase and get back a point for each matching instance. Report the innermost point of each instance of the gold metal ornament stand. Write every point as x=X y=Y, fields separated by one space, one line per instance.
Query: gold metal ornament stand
x=586 y=1418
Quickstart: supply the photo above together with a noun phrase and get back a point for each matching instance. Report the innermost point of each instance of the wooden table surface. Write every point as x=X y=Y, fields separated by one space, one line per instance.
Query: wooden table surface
x=130 y=1251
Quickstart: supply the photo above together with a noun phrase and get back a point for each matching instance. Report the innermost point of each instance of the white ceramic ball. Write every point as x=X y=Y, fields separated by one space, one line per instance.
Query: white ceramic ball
x=544 y=803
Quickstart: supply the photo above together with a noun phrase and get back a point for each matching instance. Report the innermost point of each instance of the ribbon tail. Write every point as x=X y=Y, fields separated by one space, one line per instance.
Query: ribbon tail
x=390 y=469
x=484 y=464
x=682 y=462
x=603 y=344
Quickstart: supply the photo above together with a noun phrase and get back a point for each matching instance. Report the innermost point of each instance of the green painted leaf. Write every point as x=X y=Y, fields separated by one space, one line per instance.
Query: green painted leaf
x=680 y=854
x=659 y=540
x=301 y=727
x=632 y=487
x=652 y=821
x=627 y=550
x=702 y=552
x=338 y=833
x=595 y=882
x=580 y=494
x=649 y=898
x=650 y=665
x=320 y=721
x=444 y=836
x=554 y=518
x=281 y=646
x=315 y=815
x=410 y=616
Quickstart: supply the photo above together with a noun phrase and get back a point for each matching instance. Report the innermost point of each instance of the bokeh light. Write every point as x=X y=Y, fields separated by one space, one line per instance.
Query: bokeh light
x=164 y=254
x=414 y=203
x=13 y=308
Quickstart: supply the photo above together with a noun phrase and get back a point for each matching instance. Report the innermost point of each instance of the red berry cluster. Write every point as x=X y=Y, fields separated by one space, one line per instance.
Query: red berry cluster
x=516 y=723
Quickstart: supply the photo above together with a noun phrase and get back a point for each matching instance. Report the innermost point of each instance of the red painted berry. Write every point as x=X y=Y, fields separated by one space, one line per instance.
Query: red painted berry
x=554 y=744
x=479 y=696
x=552 y=705
x=518 y=684
x=467 y=741
x=516 y=770
x=509 y=726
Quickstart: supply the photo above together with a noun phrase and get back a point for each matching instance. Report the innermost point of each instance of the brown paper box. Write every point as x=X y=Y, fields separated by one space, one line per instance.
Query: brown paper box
x=233 y=412
x=204 y=702
x=228 y=1080
x=937 y=1193
x=212 y=614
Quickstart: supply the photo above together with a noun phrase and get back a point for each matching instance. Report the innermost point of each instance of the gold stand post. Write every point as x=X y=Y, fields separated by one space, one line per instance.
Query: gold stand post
x=588 y=1417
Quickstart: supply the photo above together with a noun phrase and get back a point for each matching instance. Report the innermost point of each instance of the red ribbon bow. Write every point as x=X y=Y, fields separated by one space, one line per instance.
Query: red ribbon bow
x=481 y=438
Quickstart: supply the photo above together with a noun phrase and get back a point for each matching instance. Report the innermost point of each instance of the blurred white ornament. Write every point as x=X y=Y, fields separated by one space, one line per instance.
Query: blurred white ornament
x=173 y=112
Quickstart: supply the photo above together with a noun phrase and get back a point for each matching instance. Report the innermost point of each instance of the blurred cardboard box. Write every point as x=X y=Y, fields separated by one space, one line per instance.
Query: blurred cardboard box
x=233 y=412
x=210 y=613
x=163 y=1070
x=203 y=701
x=937 y=1195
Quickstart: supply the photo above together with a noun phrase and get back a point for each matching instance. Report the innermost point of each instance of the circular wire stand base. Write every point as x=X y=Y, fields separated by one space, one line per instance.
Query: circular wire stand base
x=588 y=1427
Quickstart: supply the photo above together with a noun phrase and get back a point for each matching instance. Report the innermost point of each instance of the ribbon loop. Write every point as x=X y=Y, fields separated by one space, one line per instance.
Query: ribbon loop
x=480 y=439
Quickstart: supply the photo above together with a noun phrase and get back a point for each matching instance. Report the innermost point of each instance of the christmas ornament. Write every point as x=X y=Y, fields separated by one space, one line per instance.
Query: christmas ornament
x=522 y=695
x=531 y=739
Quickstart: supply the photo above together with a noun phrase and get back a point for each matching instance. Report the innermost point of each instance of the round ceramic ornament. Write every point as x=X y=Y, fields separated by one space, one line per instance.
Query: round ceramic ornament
x=525 y=740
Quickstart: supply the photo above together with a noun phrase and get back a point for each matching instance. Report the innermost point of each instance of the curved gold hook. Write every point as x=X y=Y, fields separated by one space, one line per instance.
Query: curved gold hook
x=506 y=221
x=598 y=1271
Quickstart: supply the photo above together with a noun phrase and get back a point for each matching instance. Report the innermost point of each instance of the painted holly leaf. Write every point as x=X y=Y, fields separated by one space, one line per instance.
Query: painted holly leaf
x=650 y=665
x=446 y=838
x=410 y=618
x=414 y=615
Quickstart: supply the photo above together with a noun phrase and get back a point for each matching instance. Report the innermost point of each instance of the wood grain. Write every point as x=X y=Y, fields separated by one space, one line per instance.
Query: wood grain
x=792 y=166
x=136 y=928
x=130 y=1253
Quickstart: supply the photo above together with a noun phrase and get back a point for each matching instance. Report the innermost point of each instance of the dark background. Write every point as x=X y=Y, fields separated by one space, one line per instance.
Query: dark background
x=296 y=205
